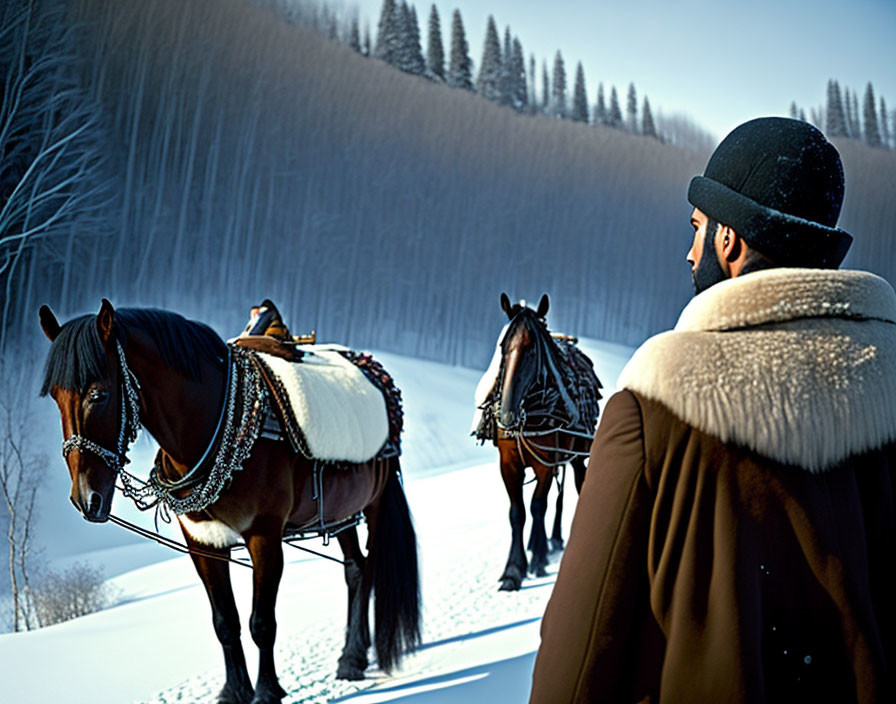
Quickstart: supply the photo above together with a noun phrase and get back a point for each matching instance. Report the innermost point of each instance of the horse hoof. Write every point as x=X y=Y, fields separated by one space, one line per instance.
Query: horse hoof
x=509 y=584
x=538 y=569
x=349 y=672
x=272 y=696
x=228 y=696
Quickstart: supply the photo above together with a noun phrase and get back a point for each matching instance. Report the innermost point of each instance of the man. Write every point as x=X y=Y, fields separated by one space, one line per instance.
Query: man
x=736 y=530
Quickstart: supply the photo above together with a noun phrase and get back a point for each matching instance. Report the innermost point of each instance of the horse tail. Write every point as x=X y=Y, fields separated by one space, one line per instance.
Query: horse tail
x=396 y=578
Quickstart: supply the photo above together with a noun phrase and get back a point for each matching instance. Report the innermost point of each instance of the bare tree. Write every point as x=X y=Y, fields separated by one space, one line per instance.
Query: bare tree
x=21 y=470
x=52 y=159
x=77 y=591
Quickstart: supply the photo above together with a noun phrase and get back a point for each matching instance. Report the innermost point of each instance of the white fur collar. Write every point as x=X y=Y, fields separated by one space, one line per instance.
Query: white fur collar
x=796 y=364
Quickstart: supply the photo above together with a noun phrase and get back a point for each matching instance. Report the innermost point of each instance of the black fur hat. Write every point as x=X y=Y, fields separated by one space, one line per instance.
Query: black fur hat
x=779 y=184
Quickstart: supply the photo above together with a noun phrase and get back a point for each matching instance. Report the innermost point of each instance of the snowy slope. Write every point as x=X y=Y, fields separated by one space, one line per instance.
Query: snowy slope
x=157 y=644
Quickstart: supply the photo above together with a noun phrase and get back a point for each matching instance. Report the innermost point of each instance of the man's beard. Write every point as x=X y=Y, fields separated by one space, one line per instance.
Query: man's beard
x=709 y=271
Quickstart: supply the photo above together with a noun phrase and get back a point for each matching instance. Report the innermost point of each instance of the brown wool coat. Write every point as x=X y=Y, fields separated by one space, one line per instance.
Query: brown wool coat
x=706 y=564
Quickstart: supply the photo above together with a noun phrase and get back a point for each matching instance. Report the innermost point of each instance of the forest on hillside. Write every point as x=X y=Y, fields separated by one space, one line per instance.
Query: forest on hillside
x=202 y=156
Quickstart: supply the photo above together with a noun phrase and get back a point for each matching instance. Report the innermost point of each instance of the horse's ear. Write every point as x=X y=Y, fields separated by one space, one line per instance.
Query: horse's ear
x=505 y=305
x=48 y=322
x=105 y=321
x=543 y=306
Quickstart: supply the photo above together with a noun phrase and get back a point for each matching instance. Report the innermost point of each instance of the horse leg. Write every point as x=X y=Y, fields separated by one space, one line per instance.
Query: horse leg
x=578 y=467
x=267 y=562
x=517 y=563
x=538 y=508
x=353 y=661
x=557 y=532
x=215 y=576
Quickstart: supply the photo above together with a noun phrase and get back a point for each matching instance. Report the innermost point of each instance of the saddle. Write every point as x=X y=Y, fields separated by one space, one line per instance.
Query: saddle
x=333 y=404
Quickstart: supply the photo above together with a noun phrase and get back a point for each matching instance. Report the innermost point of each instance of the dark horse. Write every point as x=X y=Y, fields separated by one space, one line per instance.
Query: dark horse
x=111 y=372
x=541 y=413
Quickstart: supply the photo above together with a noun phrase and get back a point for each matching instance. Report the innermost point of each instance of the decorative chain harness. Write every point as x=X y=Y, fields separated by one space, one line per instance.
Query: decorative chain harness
x=239 y=430
x=562 y=400
x=130 y=423
x=245 y=405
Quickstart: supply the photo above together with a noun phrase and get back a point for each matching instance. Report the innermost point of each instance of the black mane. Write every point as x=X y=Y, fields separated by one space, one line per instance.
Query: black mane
x=526 y=317
x=76 y=358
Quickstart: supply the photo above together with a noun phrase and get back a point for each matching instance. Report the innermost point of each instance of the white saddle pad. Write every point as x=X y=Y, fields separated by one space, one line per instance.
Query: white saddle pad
x=342 y=415
x=487 y=382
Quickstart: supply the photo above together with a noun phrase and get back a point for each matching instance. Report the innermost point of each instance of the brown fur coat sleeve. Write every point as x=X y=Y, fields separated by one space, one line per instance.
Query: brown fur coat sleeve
x=600 y=642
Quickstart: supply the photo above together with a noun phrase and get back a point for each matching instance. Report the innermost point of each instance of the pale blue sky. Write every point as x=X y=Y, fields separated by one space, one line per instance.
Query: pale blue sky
x=721 y=61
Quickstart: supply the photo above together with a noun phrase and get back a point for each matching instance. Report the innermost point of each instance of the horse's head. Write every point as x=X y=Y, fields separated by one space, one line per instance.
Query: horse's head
x=83 y=376
x=521 y=352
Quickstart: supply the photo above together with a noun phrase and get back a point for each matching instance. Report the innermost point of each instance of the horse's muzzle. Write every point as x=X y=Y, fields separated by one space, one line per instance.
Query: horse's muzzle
x=95 y=510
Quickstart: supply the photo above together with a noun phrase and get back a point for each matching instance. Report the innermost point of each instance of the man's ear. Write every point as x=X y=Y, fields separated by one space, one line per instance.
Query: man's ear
x=729 y=243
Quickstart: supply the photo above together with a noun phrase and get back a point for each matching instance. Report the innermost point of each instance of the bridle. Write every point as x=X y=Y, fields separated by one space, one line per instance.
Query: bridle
x=545 y=391
x=130 y=423
x=543 y=401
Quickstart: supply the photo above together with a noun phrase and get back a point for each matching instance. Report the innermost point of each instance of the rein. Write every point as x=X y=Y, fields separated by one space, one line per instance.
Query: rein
x=187 y=550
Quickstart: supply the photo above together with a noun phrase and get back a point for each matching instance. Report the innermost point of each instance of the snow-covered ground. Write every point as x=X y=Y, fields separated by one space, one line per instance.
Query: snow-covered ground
x=157 y=644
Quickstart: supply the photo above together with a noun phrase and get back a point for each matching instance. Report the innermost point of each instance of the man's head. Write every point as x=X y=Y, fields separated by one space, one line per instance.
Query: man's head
x=770 y=196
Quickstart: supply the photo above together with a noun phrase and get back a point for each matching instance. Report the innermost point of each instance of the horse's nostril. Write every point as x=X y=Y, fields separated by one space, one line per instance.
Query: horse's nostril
x=96 y=503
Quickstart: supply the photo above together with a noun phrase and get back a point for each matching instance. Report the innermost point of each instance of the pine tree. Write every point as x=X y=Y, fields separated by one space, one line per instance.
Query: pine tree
x=648 y=128
x=600 y=110
x=631 y=110
x=850 y=123
x=533 y=101
x=802 y=115
x=366 y=48
x=545 y=88
x=884 y=126
x=836 y=117
x=853 y=125
x=488 y=83
x=402 y=29
x=872 y=130
x=354 y=35
x=817 y=117
x=614 y=115
x=413 y=54
x=893 y=126
x=579 y=96
x=388 y=37
x=520 y=89
x=435 y=54
x=507 y=70
x=460 y=71
x=794 y=112
x=558 y=85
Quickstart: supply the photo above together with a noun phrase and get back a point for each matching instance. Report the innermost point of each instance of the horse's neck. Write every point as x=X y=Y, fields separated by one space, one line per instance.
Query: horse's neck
x=180 y=413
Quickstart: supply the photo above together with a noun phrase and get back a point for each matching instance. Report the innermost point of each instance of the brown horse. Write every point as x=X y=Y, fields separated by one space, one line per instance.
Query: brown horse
x=111 y=372
x=543 y=408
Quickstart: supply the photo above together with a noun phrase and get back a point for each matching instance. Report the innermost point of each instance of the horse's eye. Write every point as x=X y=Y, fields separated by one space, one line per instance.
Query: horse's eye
x=96 y=396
